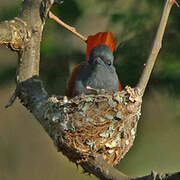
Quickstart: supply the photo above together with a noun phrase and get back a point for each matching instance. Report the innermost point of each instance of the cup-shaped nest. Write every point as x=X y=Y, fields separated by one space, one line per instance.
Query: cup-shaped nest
x=102 y=124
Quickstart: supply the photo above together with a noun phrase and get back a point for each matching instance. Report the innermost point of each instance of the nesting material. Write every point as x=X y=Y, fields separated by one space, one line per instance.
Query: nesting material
x=102 y=124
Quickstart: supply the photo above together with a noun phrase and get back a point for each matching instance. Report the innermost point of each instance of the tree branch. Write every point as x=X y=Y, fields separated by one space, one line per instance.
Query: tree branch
x=45 y=109
x=155 y=48
x=106 y=140
x=101 y=169
x=29 y=57
x=14 y=33
x=66 y=26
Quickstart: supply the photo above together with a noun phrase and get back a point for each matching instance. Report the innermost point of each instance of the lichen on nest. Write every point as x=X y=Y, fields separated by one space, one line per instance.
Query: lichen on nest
x=103 y=123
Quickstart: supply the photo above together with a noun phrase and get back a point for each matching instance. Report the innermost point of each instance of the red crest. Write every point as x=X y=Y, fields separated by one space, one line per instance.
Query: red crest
x=100 y=38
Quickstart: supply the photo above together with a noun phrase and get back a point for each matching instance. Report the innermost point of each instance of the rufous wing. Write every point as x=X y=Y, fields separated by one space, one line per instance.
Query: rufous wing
x=71 y=81
x=120 y=86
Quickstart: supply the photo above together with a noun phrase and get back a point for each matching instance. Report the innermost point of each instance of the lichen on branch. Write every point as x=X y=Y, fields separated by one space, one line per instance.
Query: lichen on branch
x=14 y=33
x=95 y=131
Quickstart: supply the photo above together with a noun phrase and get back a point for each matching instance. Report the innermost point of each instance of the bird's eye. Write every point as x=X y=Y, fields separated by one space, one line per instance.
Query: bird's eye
x=109 y=63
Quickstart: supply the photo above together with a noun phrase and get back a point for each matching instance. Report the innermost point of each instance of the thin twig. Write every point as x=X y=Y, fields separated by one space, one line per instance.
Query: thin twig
x=31 y=89
x=156 y=47
x=66 y=26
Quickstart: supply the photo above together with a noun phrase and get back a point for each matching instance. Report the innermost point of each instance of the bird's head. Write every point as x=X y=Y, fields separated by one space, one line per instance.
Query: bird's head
x=101 y=55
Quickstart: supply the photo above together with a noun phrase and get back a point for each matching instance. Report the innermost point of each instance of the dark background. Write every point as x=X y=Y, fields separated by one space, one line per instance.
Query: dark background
x=26 y=151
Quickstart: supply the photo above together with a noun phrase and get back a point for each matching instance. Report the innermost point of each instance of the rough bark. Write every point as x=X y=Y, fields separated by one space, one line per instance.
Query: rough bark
x=59 y=116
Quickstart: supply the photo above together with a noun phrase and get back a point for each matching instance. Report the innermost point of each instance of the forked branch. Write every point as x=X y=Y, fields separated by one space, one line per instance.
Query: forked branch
x=31 y=91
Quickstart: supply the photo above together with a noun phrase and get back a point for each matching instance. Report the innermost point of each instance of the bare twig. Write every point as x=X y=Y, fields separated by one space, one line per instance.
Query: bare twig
x=66 y=26
x=31 y=91
x=156 y=47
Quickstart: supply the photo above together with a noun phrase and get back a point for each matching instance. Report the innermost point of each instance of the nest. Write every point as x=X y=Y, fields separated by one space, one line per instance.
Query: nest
x=102 y=124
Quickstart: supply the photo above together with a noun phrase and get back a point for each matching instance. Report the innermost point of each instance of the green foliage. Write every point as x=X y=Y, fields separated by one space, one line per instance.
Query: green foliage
x=134 y=24
x=7 y=73
x=69 y=11
x=10 y=12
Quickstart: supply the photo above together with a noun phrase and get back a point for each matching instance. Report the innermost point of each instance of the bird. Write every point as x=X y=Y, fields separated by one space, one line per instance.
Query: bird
x=98 y=71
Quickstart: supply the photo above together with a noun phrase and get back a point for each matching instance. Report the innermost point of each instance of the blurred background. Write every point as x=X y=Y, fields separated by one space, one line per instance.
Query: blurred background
x=26 y=151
